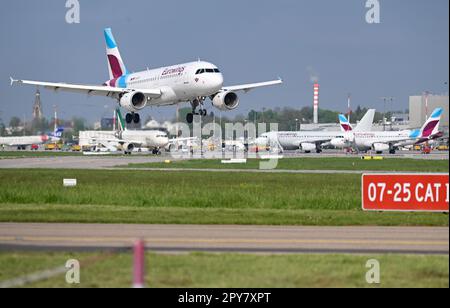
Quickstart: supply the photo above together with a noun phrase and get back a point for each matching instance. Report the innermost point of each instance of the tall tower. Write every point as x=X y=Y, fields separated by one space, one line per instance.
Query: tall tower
x=37 y=107
x=316 y=103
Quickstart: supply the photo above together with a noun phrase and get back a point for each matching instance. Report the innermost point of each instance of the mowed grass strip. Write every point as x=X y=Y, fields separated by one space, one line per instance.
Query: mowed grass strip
x=210 y=216
x=181 y=189
x=192 y=198
x=233 y=270
x=305 y=163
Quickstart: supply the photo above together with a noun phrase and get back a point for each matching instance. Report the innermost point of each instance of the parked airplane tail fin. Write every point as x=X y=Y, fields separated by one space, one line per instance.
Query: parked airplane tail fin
x=366 y=123
x=431 y=127
x=57 y=133
x=120 y=122
x=345 y=124
x=116 y=65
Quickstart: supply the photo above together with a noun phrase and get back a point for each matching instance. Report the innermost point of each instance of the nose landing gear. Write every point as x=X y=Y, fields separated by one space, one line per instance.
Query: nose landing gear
x=198 y=102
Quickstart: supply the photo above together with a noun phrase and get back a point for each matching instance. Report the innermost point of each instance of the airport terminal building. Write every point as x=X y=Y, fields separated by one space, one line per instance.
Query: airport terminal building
x=418 y=109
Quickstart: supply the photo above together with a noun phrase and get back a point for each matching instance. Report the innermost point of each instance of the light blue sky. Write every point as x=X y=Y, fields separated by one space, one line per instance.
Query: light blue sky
x=250 y=40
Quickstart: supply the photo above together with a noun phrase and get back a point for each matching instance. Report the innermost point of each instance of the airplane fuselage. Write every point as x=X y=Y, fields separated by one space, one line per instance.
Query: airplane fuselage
x=295 y=140
x=365 y=141
x=151 y=139
x=24 y=141
x=178 y=83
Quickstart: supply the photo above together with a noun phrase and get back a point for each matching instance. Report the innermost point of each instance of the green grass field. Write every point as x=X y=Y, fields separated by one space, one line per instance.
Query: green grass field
x=124 y=196
x=304 y=163
x=233 y=270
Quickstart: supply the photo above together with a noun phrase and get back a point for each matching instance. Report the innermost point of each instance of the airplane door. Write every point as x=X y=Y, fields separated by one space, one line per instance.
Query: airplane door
x=186 y=82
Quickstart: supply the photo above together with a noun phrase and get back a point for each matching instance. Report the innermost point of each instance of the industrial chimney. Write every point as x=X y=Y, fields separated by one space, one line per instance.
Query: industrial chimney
x=316 y=103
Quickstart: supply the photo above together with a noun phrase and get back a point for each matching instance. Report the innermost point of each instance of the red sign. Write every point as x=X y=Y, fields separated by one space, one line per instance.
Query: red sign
x=405 y=192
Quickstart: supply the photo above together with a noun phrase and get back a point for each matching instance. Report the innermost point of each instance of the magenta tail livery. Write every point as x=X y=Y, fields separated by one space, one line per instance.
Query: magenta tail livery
x=192 y=82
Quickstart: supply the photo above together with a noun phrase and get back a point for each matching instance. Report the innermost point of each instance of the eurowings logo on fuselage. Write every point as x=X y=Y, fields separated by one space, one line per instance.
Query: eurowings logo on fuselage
x=172 y=71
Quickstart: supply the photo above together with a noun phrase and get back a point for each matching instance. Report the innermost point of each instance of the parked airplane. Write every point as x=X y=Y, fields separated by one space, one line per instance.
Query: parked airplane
x=24 y=141
x=190 y=82
x=131 y=139
x=365 y=124
x=128 y=140
x=391 y=141
x=309 y=141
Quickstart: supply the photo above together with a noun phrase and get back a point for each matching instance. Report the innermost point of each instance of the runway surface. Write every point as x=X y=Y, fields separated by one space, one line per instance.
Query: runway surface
x=242 y=239
x=111 y=162
x=75 y=162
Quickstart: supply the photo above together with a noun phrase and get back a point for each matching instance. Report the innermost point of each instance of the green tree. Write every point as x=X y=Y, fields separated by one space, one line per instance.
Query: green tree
x=15 y=122
x=40 y=126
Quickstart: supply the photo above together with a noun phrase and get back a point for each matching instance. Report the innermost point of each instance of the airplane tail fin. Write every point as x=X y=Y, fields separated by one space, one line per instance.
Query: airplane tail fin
x=116 y=65
x=345 y=124
x=366 y=123
x=57 y=133
x=120 y=122
x=431 y=127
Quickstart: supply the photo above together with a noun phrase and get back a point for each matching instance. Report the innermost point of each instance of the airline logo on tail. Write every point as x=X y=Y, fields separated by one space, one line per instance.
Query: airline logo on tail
x=345 y=124
x=431 y=127
x=120 y=122
x=116 y=66
x=57 y=133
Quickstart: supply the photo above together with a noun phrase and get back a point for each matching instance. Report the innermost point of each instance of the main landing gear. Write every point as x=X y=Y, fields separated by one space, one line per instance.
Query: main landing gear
x=133 y=117
x=195 y=104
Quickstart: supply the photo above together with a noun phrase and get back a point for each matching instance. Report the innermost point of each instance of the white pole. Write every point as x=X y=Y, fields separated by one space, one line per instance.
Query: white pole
x=349 y=108
x=114 y=120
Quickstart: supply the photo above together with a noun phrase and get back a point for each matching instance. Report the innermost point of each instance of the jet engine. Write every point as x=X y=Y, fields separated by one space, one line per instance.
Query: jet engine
x=308 y=147
x=133 y=101
x=381 y=147
x=339 y=143
x=226 y=101
x=128 y=148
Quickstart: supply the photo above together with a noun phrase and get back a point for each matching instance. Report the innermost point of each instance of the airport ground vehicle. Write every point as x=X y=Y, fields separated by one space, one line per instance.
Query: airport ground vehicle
x=76 y=148
x=52 y=147
x=426 y=149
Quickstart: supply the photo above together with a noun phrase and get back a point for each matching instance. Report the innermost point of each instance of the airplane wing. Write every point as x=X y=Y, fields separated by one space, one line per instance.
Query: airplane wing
x=86 y=89
x=251 y=86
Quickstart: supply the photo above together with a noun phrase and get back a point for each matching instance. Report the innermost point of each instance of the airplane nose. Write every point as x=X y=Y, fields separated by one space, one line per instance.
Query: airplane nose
x=164 y=142
x=218 y=81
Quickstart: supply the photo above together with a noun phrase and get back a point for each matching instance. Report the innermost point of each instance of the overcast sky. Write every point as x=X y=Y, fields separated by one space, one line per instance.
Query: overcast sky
x=250 y=40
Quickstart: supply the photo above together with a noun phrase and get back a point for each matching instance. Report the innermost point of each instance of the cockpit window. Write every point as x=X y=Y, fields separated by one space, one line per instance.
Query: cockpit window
x=207 y=70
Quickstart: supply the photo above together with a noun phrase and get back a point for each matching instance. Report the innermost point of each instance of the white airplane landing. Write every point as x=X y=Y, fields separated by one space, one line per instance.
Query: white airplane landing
x=192 y=82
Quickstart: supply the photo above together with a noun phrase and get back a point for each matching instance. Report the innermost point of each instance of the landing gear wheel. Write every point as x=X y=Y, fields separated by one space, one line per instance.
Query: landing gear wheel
x=129 y=118
x=392 y=152
x=136 y=118
x=190 y=118
x=203 y=113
